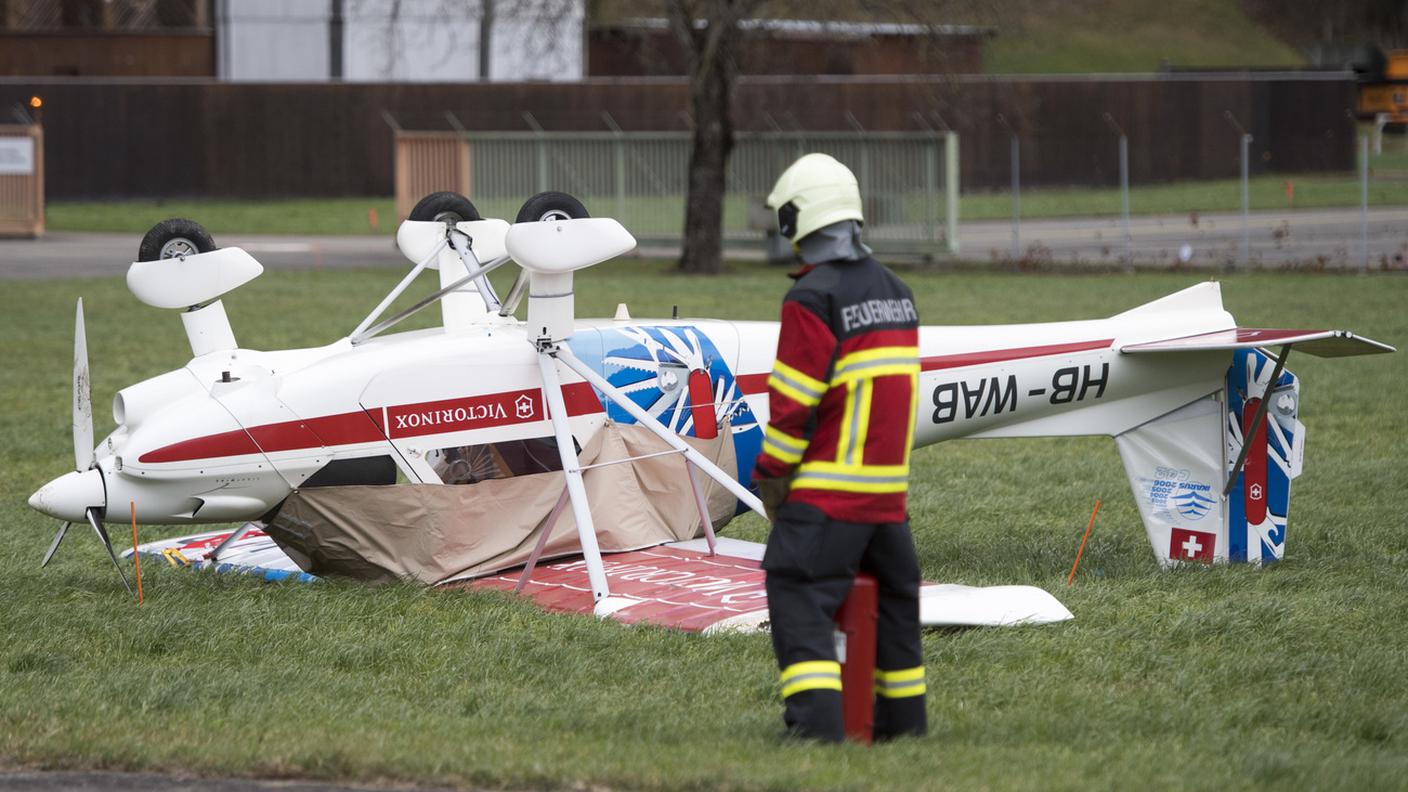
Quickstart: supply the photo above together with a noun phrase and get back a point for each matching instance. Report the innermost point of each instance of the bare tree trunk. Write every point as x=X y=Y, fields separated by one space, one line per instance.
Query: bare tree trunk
x=710 y=94
x=709 y=30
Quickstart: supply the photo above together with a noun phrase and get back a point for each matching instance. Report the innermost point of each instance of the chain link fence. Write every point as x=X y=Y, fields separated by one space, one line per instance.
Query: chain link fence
x=909 y=180
x=1347 y=210
x=1268 y=217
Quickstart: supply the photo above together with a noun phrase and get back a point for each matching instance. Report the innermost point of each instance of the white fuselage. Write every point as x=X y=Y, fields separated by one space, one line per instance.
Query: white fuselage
x=230 y=435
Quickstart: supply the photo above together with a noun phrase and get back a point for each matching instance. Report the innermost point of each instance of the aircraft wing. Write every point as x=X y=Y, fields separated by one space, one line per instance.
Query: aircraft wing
x=1323 y=343
x=676 y=585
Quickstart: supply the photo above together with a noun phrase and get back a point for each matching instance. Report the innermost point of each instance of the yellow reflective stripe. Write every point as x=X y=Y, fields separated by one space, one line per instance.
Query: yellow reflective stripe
x=783 y=439
x=877 y=353
x=802 y=380
x=845 y=440
x=801 y=397
x=819 y=682
x=849 y=484
x=852 y=478
x=876 y=370
x=811 y=667
x=811 y=675
x=903 y=683
x=783 y=446
x=902 y=691
x=862 y=471
x=913 y=414
x=795 y=384
x=901 y=675
x=877 y=362
x=855 y=423
x=864 y=392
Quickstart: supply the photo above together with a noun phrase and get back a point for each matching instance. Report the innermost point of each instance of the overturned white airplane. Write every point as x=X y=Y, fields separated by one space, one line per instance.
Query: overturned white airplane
x=524 y=418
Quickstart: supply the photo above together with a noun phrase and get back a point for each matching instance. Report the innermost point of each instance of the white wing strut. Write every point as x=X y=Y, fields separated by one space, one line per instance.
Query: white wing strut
x=549 y=353
x=550 y=252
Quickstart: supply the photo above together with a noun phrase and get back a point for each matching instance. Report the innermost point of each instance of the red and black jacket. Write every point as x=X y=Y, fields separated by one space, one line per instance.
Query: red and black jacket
x=841 y=396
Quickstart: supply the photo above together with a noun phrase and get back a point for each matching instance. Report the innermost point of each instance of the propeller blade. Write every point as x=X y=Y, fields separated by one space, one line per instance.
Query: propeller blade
x=82 y=397
x=53 y=546
x=97 y=523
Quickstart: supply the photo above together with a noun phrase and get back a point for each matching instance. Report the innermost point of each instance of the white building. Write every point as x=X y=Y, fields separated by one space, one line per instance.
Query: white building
x=399 y=40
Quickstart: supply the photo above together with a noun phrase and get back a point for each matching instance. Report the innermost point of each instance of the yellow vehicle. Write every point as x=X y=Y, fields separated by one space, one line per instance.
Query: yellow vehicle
x=1389 y=95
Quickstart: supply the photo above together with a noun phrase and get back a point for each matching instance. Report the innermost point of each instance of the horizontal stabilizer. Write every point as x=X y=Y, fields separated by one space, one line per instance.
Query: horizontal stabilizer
x=1323 y=343
x=678 y=585
x=950 y=605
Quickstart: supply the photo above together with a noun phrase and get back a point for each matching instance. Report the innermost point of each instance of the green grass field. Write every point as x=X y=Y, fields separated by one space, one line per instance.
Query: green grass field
x=1227 y=678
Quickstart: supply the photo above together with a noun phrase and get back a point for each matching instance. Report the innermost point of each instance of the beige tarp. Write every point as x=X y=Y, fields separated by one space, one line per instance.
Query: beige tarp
x=430 y=532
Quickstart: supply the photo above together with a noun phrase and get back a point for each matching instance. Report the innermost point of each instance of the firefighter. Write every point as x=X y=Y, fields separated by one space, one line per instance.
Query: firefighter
x=834 y=467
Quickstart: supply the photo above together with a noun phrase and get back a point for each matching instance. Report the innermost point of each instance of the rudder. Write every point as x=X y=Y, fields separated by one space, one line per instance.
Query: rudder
x=1178 y=464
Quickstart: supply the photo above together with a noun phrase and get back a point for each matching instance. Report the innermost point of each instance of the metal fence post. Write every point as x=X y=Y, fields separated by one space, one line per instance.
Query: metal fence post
x=1246 y=199
x=1364 y=202
x=1246 y=147
x=541 y=148
x=1124 y=202
x=618 y=151
x=1015 y=166
x=1124 y=191
x=931 y=164
x=1016 y=197
x=864 y=176
x=931 y=181
x=951 y=188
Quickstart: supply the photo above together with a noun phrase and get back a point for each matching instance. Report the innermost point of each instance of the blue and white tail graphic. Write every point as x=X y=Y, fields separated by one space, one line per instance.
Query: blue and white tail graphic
x=1258 y=501
x=1180 y=463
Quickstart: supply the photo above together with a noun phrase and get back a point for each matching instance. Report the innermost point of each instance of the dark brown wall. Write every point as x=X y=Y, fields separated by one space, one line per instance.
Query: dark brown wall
x=118 y=139
x=107 y=54
x=635 y=52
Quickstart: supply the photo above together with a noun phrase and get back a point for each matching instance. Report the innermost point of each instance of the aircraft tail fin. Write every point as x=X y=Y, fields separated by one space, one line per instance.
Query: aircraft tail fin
x=1178 y=466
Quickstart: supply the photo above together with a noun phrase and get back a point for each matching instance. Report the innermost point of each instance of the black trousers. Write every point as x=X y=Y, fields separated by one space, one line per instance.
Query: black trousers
x=811 y=562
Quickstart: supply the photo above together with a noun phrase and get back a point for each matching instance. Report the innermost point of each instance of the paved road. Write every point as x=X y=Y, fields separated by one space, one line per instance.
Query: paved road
x=1324 y=237
x=67 y=254
x=1328 y=237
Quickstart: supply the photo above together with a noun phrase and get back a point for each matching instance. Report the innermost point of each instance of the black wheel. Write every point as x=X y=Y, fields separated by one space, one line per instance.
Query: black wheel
x=551 y=206
x=174 y=237
x=447 y=207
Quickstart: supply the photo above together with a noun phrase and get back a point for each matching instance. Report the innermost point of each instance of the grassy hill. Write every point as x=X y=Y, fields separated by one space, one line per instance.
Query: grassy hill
x=1055 y=36
x=1038 y=36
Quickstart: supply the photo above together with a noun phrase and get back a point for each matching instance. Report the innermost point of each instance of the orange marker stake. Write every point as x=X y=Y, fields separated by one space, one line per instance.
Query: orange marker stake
x=1069 y=579
x=136 y=559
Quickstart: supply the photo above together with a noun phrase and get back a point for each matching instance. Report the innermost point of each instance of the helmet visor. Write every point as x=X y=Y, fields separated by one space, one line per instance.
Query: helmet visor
x=787 y=219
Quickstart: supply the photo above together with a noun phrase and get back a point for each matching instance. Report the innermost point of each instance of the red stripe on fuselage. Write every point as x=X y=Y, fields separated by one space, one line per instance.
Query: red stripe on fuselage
x=225 y=444
x=961 y=360
x=752 y=384
x=344 y=429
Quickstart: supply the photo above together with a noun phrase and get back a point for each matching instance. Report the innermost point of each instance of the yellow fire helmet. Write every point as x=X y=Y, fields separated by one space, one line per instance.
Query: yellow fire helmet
x=814 y=192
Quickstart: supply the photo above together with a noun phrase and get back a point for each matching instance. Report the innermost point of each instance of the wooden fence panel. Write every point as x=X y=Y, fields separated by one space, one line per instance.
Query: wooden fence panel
x=21 y=180
x=115 y=139
x=428 y=162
